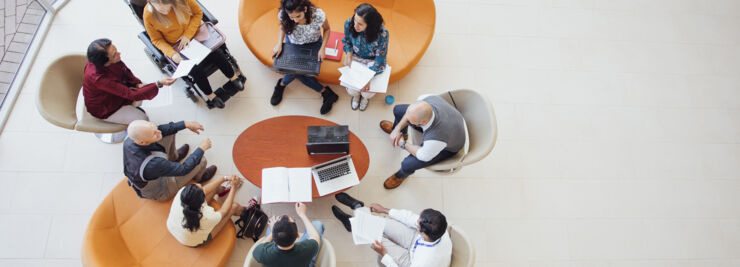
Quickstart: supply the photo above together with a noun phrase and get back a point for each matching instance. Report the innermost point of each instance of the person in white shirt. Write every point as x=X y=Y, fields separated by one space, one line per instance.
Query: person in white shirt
x=441 y=124
x=409 y=239
x=192 y=221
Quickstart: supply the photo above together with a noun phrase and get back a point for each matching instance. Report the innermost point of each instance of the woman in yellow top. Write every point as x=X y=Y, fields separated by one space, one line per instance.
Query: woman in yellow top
x=171 y=24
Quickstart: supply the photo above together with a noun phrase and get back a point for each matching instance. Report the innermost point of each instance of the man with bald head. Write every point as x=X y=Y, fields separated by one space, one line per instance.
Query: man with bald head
x=444 y=134
x=152 y=164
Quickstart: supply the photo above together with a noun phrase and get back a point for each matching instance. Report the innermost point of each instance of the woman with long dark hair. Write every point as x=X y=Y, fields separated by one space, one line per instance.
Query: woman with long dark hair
x=365 y=41
x=301 y=23
x=171 y=25
x=192 y=221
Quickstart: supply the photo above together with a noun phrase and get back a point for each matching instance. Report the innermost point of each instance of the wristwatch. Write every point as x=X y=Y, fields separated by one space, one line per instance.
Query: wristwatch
x=159 y=85
x=403 y=145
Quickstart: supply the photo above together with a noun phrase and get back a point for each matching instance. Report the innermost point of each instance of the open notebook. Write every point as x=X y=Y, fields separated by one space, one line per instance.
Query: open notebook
x=282 y=184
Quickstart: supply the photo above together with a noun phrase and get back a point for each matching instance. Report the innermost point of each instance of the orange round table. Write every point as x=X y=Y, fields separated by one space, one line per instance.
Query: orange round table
x=281 y=142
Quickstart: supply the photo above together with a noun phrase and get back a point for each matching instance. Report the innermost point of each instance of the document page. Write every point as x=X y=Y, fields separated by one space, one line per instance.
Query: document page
x=195 y=51
x=366 y=228
x=184 y=68
x=300 y=184
x=379 y=83
x=275 y=185
x=356 y=76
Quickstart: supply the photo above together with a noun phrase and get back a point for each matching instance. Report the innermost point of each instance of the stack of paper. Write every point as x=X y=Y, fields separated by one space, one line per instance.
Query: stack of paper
x=192 y=54
x=358 y=75
x=286 y=185
x=366 y=228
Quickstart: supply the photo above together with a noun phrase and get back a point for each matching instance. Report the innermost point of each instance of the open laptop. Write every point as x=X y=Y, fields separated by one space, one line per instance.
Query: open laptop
x=298 y=59
x=328 y=140
x=335 y=175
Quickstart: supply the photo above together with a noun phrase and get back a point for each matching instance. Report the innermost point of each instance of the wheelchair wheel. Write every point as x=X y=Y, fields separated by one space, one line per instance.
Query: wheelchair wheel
x=154 y=60
x=191 y=94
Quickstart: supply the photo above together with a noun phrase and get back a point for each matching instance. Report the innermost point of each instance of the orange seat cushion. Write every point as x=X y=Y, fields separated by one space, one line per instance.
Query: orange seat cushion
x=127 y=230
x=410 y=24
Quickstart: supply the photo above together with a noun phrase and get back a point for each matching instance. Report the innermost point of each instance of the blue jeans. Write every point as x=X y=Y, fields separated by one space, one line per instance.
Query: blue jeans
x=319 y=228
x=309 y=81
x=410 y=164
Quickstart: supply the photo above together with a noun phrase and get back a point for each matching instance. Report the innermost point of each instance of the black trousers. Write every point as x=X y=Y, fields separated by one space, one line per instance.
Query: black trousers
x=200 y=74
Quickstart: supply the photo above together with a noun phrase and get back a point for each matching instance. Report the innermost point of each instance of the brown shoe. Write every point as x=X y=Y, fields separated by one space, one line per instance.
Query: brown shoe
x=392 y=182
x=208 y=174
x=386 y=126
x=182 y=152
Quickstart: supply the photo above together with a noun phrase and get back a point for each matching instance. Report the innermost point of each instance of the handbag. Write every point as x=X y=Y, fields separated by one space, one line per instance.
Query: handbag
x=209 y=36
x=251 y=223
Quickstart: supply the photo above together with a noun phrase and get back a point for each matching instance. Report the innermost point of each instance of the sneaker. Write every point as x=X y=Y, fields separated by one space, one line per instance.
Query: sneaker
x=355 y=103
x=342 y=217
x=277 y=95
x=363 y=104
x=329 y=98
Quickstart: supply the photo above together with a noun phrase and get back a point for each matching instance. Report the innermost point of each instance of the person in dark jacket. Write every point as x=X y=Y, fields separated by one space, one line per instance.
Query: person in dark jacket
x=111 y=91
x=153 y=166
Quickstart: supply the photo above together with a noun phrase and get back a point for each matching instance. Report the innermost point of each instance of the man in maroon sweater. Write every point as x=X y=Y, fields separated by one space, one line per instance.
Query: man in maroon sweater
x=112 y=93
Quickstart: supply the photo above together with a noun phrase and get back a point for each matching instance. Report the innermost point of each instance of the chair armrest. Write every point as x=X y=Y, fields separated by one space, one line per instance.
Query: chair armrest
x=207 y=16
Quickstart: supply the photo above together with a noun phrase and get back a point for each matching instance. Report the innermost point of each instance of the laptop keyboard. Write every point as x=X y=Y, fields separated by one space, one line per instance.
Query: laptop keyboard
x=297 y=62
x=335 y=171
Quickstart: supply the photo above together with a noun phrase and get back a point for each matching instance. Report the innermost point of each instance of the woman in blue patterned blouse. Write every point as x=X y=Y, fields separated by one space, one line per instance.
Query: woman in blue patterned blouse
x=366 y=41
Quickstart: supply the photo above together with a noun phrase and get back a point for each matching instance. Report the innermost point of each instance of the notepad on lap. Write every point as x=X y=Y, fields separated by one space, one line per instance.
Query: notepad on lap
x=358 y=75
x=366 y=228
x=282 y=184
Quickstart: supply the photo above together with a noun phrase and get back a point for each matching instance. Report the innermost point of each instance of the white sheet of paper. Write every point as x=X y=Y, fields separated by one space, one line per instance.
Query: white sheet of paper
x=195 y=51
x=300 y=184
x=331 y=51
x=379 y=83
x=184 y=68
x=356 y=76
x=275 y=185
x=163 y=98
x=366 y=228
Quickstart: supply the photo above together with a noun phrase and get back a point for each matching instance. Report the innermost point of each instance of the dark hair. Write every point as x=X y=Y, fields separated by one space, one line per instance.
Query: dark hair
x=191 y=200
x=97 y=52
x=372 y=18
x=289 y=6
x=284 y=232
x=433 y=223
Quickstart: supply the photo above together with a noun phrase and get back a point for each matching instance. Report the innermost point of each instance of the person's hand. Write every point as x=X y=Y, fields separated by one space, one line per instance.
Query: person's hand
x=322 y=54
x=300 y=208
x=182 y=42
x=236 y=182
x=194 y=126
x=276 y=51
x=347 y=61
x=139 y=85
x=167 y=81
x=379 y=248
x=366 y=88
x=396 y=137
x=205 y=144
x=176 y=58
x=375 y=207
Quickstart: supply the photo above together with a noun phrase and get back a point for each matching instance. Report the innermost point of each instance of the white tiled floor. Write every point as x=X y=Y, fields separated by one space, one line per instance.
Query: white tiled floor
x=618 y=145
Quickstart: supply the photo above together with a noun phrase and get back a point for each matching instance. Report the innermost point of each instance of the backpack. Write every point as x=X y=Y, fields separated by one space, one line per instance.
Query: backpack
x=251 y=223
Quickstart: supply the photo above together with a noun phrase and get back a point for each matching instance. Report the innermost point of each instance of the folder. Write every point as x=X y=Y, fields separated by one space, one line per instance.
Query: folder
x=334 y=46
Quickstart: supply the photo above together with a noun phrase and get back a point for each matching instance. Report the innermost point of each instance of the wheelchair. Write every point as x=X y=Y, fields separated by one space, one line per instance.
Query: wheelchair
x=168 y=67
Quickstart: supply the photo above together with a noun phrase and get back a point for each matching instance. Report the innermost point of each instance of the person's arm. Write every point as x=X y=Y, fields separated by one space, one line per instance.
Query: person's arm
x=404 y=216
x=130 y=79
x=388 y=261
x=347 y=42
x=156 y=36
x=226 y=206
x=279 y=46
x=396 y=133
x=158 y=167
x=426 y=152
x=171 y=127
x=313 y=234
x=327 y=31
x=381 y=51
x=124 y=91
x=195 y=20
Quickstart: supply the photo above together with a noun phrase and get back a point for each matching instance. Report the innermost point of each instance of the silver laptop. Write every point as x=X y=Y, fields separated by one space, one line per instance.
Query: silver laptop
x=335 y=175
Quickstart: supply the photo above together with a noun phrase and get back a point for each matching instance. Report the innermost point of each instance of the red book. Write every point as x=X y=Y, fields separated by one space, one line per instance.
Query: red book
x=333 y=49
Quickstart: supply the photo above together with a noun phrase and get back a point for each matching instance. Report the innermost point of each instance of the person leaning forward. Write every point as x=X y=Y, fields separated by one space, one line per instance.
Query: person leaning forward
x=152 y=164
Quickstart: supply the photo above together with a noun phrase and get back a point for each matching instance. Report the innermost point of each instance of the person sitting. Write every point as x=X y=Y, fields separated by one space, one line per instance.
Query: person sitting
x=443 y=128
x=279 y=246
x=365 y=41
x=409 y=239
x=192 y=221
x=111 y=91
x=301 y=23
x=171 y=24
x=152 y=164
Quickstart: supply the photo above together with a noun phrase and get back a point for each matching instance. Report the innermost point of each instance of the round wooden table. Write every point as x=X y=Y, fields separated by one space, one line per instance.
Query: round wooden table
x=281 y=142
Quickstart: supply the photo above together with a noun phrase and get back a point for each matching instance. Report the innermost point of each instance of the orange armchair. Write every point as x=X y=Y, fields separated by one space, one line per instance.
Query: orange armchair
x=126 y=230
x=410 y=24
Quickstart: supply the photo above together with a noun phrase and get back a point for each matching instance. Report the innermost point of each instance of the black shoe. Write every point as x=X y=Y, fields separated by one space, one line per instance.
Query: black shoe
x=349 y=201
x=241 y=80
x=236 y=84
x=208 y=174
x=329 y=98
x=277 y=95
x=182 y=152
x=342 y=217
x=215 y=102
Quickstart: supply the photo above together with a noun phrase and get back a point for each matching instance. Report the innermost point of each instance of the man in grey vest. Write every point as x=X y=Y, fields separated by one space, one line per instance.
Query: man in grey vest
x=443 y=128
x=152 y=164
